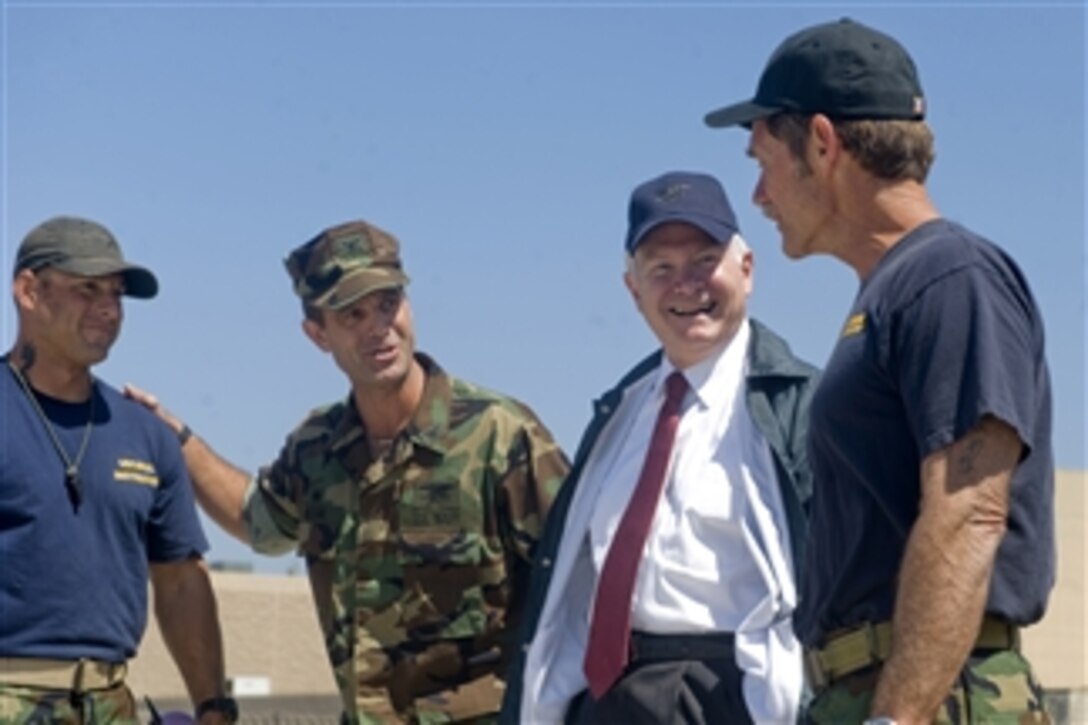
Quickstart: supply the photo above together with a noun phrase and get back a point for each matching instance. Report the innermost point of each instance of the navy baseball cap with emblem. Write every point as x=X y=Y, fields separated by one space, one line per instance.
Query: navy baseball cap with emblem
x=680 y=196
x=82 y=247
x=843 y=69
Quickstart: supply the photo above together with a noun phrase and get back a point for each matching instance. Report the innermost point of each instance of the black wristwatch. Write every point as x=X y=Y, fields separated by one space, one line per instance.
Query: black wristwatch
x=225 y=705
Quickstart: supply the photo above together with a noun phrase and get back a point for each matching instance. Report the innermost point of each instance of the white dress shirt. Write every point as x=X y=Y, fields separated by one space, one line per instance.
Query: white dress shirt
x=717 y=556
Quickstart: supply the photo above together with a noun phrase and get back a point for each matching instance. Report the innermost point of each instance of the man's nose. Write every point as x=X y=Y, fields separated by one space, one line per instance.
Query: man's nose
x=377 y=327
x=690 y=280
x=759 y=195
x=108 y=305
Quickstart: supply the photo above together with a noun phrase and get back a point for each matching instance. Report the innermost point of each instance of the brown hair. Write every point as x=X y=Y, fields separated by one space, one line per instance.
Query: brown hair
x=895 y=150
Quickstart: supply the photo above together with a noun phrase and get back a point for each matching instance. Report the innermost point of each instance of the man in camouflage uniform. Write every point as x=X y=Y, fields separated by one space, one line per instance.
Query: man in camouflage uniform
x=931 y=537
x=416 y=502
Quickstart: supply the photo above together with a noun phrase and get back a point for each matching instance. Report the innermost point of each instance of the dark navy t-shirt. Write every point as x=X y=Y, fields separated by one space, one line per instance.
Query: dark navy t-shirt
x=73 y=583
x=943 y=332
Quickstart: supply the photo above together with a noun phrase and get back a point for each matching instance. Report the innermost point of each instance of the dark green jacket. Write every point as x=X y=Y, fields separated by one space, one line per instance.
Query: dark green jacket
x=778 y=393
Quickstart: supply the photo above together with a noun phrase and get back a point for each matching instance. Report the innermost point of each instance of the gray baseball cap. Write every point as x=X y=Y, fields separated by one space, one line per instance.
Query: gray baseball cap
x=83 y=247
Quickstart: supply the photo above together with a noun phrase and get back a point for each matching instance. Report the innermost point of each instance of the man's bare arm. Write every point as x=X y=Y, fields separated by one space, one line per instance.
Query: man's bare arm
x=945 y=574
x=220 y=486
x=186 y=612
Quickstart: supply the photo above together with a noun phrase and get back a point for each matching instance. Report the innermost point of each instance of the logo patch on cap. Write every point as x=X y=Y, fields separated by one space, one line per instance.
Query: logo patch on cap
x=345 y=262
x=673 y=192
x=348 y=246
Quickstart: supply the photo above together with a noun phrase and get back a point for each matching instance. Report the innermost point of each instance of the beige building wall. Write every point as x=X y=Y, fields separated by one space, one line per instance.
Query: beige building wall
x=1058 y=646
x=270 y=628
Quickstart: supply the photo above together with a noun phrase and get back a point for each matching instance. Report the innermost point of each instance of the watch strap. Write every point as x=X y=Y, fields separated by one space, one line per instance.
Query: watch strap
x=222 y=704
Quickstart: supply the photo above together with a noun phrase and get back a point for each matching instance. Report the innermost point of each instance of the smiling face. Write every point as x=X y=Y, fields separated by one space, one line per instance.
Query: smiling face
x=70 y=318
x=372 y=339
x=692 y=291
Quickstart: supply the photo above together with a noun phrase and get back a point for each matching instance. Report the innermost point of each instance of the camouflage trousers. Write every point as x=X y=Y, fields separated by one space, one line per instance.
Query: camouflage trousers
x=995 y=688
x=38 y=706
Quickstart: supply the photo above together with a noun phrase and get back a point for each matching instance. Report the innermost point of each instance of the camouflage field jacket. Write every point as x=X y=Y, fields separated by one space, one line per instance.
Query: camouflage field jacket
x=418 y=560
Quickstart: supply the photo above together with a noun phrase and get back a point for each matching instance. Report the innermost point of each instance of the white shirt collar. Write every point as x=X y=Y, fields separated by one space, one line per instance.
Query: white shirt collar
x=715 y=380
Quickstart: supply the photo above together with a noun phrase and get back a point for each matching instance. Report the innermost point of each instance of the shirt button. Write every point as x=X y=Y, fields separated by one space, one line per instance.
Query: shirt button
x=525 y=648
x=546 y=562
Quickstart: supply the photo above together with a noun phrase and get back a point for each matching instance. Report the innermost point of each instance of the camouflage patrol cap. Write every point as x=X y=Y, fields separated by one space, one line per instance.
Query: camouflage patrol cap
x=345 y=262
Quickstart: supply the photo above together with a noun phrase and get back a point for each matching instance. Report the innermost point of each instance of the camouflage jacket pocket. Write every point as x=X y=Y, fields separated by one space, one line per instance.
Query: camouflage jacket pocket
x=440 y=525
x=451 y=569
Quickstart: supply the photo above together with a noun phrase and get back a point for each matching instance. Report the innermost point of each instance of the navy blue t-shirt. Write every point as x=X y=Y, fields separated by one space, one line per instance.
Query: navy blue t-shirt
x=943 y=332
x=73 y=583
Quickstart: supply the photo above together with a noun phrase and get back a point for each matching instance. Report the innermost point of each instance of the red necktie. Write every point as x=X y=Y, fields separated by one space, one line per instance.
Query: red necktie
x=610 y=628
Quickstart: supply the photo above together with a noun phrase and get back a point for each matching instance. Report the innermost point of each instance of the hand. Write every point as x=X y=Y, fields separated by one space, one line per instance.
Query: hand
x=151 y=402
x=144 y=398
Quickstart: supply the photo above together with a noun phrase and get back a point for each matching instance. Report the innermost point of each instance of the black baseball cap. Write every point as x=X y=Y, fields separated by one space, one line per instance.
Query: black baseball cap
x=83 y=247
x=841 y=69
x=680 y=196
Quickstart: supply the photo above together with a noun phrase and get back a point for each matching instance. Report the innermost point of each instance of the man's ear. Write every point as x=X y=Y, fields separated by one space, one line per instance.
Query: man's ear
x=316 y=332
x=629 y=282
x=26 y=289
x=747 y=266
x=823 y=143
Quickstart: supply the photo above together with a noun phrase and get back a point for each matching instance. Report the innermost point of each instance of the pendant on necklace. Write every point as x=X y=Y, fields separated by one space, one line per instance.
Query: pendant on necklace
x=71 y=482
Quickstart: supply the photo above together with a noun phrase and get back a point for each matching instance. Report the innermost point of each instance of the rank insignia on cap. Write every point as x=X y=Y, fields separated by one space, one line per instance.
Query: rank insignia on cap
x=673 y=192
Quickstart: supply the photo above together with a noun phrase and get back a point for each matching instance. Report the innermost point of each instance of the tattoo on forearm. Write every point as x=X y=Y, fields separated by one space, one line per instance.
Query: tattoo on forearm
x=968 y=457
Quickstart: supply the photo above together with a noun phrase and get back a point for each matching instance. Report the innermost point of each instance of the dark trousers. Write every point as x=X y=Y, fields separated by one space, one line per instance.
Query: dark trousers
x=671 y=680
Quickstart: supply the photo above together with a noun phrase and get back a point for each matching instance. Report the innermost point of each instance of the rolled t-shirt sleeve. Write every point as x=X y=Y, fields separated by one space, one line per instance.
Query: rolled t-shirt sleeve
x=965 y=348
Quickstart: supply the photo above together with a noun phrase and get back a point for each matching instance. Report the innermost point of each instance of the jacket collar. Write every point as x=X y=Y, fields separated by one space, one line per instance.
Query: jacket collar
x=770 y=356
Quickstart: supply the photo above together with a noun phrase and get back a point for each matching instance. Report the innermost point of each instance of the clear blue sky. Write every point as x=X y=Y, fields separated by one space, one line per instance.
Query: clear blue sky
x=500 y=143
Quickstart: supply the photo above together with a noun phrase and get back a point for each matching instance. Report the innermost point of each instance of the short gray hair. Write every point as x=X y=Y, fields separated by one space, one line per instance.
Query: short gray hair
x=737 y=249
